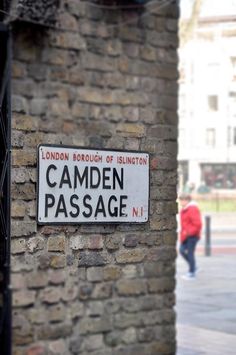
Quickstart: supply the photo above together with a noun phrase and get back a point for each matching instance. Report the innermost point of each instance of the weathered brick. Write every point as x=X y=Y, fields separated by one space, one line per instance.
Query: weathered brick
x=125 y=320
x=57 y=277
x=23 y=228
x=161 y=254
x=111 y=272
x=68 y=40
x=148 y=53
x=56 y=243
x=162 y=284
x=95 y=274
x=95 y=325
x=163 y=224
x=69 y=293
x=131 y=130
x=131 y=114
x=19 y=104
x=18 y=70
x=23 y=158
x=93 y=259
x=56 y=313
x=113 y=338
x=145 y=334
x=55 y=56
x=102 y=291
x=76 y=310
x=34 y=244
x=90 y=60
x=36 y=349
x=85 y=291
x=50 y=295
x=17 y=139
x=161 y=347
x=18 y=281
x=44 y=261
x=130 y=256
x=95 y=308
x=95 y=96
x=54 y=331
x=23 y=338
x=113 y=242
x=131 y=287
x=37 y=316
x=129 y=271
x=19 y=175
x=57 y=261
x=37 y=280
x=57 y=347
x=93 y=342
x=24 y=122
x=18 y=246
x=23 y=298
x=130 y=241
x=57 y=107
x=18 y=209
x=95 y=242
x=24 y=191
x=92 y=29
x=129 y=336
x=38 y=106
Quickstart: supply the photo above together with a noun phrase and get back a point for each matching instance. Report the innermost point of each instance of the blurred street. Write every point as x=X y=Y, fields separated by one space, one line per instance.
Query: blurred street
x=206 y=307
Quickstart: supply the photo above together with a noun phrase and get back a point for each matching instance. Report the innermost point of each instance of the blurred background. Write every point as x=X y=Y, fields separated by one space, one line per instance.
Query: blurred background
x=207 y=103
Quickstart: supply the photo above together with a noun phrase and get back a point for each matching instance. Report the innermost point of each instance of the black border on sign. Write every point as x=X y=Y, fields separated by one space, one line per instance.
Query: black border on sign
x=93 y=149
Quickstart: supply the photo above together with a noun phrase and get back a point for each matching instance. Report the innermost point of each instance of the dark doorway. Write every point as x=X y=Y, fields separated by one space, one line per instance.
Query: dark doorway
x=5 y=166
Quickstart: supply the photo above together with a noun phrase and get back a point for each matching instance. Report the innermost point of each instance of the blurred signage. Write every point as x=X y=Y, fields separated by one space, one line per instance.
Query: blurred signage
x=91 y=186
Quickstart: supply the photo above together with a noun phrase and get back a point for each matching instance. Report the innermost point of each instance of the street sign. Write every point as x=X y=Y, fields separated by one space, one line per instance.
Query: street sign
x=91 y=186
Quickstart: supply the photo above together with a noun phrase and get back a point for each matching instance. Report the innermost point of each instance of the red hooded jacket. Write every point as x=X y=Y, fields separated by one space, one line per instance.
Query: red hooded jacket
x=190 y=222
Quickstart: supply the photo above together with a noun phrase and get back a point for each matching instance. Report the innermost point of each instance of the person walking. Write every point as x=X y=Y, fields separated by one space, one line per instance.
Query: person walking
x=190 y=232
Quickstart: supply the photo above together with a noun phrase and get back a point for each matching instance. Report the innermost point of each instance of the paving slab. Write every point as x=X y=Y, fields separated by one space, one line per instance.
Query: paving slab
x=206 y=307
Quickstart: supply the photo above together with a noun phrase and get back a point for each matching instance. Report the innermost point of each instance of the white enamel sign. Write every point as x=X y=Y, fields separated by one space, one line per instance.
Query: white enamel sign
x=92 y=186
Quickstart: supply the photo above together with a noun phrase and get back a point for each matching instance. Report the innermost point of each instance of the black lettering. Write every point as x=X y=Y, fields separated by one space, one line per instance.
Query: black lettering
x=61 y=207
x=105 y=178
x=73 y=204
x=100 y=207
x=49 y=202
x=119 y=179
x=65 y=177
x=123 y=205
x=94 y=184
x=50 y=184
x=81 y=179
x=88 y=206
x=112 y=212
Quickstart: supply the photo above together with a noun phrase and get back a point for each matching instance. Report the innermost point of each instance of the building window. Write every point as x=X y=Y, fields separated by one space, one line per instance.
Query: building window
x=210 y=137
x=213 y=103
x=221 y=176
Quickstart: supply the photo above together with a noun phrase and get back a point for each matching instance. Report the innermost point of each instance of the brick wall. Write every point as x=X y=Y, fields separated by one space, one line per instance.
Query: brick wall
x=91 y=82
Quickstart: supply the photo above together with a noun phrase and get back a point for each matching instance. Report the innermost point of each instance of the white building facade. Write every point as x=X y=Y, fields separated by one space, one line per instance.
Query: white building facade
x=207 y=106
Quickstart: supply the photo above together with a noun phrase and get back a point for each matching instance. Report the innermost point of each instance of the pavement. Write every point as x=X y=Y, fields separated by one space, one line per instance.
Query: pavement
x=206 y=307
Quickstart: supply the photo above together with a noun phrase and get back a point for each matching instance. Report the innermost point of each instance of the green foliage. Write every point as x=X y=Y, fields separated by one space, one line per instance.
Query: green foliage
x=217 y=205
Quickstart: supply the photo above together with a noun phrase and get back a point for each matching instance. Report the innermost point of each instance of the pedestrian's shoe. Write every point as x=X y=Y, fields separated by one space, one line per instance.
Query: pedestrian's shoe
x=189 y=276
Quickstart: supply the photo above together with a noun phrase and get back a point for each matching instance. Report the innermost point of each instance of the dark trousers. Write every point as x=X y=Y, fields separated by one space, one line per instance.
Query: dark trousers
x=187 y=250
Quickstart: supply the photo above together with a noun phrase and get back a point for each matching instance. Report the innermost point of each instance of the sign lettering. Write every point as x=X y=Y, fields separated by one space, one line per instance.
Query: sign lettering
x=92 y=186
